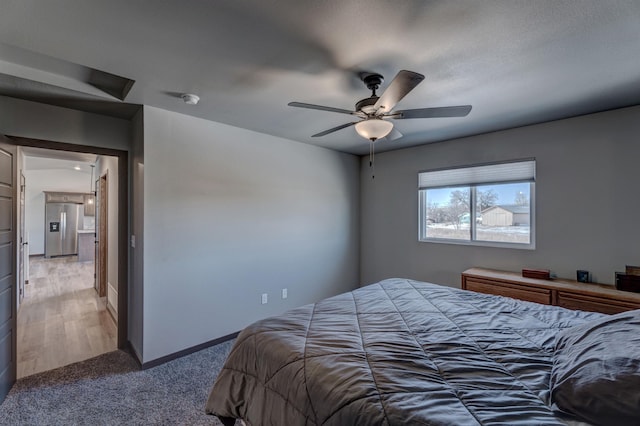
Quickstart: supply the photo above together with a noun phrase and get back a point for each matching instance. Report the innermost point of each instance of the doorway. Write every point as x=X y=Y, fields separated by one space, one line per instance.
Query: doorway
x=65 y=279
x=63 y=319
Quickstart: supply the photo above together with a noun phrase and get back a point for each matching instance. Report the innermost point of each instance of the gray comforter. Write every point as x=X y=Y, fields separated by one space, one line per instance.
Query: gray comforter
x=398 y=352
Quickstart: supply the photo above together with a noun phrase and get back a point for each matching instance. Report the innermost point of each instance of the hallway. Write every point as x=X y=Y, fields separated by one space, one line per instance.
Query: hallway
x=61 y=319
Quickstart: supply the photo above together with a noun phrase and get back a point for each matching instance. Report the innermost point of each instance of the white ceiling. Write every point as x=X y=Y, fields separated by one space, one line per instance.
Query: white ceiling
x=517 y=62
x=48 y=159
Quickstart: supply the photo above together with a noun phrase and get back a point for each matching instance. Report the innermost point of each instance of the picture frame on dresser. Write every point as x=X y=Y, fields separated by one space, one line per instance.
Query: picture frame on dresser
x=582 y=276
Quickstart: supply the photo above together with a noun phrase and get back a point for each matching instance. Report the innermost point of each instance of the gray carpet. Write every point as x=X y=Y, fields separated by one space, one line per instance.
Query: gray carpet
x=111 y=390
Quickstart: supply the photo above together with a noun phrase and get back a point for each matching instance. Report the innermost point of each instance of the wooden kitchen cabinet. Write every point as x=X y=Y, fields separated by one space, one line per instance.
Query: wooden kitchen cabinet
x=566 y=293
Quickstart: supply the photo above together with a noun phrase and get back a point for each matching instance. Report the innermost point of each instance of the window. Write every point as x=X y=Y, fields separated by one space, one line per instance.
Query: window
x=490 y=205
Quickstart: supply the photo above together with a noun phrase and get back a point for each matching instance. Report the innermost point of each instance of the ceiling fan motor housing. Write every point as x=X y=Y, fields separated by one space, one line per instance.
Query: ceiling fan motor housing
x=373 y=81
x=366 y=105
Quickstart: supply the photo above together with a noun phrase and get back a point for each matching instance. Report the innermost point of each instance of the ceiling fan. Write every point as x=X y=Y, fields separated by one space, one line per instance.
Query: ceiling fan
x=375 y=110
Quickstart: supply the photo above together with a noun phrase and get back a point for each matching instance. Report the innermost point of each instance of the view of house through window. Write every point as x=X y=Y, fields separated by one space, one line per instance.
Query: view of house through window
x=504 y=213
x=478 y=212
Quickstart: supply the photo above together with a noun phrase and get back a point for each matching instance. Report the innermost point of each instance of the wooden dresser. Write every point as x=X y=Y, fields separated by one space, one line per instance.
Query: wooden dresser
x=559 y=292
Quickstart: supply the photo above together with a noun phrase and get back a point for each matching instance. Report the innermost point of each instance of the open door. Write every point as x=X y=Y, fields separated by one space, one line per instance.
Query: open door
x=8 y=209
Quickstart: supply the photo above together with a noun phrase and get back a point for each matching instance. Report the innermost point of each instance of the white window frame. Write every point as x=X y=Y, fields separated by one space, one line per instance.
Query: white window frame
x=514 y=171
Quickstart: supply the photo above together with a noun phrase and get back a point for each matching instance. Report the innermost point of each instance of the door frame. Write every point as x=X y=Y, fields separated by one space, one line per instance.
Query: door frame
x=123 y=219
x=102 y=232
x=24 y=260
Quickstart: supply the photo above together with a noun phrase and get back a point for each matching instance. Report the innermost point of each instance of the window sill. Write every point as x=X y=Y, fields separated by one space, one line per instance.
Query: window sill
x=494 y=244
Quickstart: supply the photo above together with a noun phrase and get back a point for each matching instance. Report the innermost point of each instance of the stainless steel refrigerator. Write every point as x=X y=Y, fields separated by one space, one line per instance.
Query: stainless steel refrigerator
x=61 y=222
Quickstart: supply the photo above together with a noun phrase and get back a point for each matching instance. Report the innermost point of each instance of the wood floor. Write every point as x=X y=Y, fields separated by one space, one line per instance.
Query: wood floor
x=61 y=319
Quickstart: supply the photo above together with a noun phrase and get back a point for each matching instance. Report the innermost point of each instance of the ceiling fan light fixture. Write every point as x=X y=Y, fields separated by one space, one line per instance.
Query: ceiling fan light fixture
x=374 y=128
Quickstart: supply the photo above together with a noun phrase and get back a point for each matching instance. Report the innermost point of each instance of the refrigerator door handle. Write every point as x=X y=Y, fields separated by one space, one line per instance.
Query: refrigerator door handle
x=63 y=224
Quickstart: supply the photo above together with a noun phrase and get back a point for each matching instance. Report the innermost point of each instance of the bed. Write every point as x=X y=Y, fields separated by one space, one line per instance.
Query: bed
x=404 y=352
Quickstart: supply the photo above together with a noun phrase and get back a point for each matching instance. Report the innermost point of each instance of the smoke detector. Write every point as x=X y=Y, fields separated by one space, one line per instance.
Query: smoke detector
x=190 y=99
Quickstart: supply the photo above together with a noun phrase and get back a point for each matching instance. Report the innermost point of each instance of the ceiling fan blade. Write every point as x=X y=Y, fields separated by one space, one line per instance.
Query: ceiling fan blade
x=452 y=111
x=320 y=107
x=335 y=129
x=403 y=83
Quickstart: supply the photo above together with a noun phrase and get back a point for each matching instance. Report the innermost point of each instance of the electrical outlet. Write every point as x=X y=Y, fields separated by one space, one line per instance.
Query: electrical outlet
x=265 y=298
x=284 y=293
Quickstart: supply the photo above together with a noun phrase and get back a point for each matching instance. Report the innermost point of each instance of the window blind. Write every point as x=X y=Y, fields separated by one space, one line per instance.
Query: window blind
x=517 y=171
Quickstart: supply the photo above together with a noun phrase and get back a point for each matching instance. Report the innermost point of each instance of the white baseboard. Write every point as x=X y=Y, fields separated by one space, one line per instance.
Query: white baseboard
x=112 y=298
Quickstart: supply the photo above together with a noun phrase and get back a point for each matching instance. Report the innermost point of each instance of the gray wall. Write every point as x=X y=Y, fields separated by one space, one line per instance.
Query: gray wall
x=39 y=121
x=586 y=201
x=230 y=214
x=136 y=271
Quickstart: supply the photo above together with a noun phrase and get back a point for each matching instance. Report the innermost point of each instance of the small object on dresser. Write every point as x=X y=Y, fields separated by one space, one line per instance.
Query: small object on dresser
x=541 y=274
x=582 y=276
x=628 y=282
x=632 y=270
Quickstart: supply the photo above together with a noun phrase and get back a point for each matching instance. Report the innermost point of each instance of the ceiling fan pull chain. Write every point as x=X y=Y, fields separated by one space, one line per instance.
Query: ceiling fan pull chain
x=372 y=159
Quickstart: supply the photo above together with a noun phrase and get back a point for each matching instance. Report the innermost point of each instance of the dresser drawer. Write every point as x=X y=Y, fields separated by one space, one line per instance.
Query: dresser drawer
x=516 y=291
x=585 y=302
